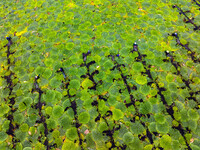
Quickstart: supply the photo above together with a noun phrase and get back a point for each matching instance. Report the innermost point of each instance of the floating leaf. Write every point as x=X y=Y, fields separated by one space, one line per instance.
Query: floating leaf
x=87 y=83
x=4 y=109
x=84 y=117
x=47 y=73
x=128 y=137
x=166 y=141
x=97 y=136
x=55 y=83
x=144 y=89
x=117 y=114
x=72 y=91
x=137 y=67
x=113 y=90
x=175 y=144
x=27 y=148
x=3 y=136
x=141 y=80
x=65 y=122
x=148 y=147
x=162 y=128
x=172 y=87
x=57 y=111
x=137 y=128
x=48 y=110
x=112 y=100
x=24 y=127
x=34 y=58
x=18 y=117
x=39 y=70
x=19 y=146
x=72 y=133
x=85 y=37
x=69 y=145
x=75 y=84
x=169 y=77
x=5 y=125
x=160 y=118
x=136 y=144
x=51 y=124
x=69 y=46
x=145 y=107
x=22 y=106
x=49 y=62
x=108 y=64
x=193 y=114
x=192 y=125
x=102 y=127
x=21 y=135
x=152 y=127
x=28 y=101
x=50 y=96
x=150 y=55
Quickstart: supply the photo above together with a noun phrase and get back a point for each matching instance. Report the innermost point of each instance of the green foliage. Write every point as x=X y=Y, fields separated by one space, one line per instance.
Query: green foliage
x=24 y=127
x=5 y=125
x=169 y=77
x=192 y=125
x=136 y=145
x=172 y=87
x=69 y=145
x=108 y=64
x=128 y=137
x=20 y=135
x=72 y=134
x=57 y=111
x=47 y=73
x=165 y=142
x=65 y=122
x=39 y=70
x=162 y=128
x=102 y=126
x=144 y=89
x=74 y=84
x=27 y=148
x=22 y=106
x=137 y=67
x=50 y=96
x=28 y=101
x=87 y=83
x=84 y=117
x=48 y=110
x=175 y=144
x=3 y=136
x=69 y=46
x=148 y=147
x=19 y=146
x=18 y=118
x=160 y=118
x=54 y=82
x=193 y=114
x=34 y=58
x=51 y=124
x=4 y=109
x=100 y=94
x=137 y=128
x=97 y=136
x=141 y=80
x=117 y=114
x=145 y=107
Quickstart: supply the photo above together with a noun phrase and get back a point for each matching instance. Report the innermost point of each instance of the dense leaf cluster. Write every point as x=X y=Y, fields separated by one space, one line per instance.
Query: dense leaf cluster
x=100 y=74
